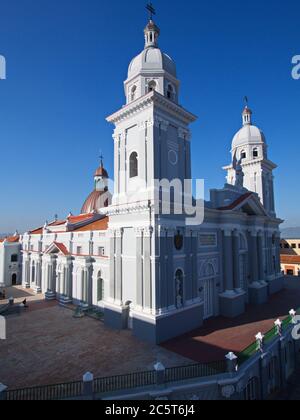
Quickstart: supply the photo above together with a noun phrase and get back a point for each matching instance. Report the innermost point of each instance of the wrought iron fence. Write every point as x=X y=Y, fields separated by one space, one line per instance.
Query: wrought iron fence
x=48 y=392
x=195 y=371
x=130 y=381
x=115 y=383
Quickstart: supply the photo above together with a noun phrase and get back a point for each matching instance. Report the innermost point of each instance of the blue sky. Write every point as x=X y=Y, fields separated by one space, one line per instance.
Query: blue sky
x=66 y=63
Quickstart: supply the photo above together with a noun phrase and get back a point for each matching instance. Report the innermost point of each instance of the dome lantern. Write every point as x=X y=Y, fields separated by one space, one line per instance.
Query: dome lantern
x=247 y=116
x=151 y=35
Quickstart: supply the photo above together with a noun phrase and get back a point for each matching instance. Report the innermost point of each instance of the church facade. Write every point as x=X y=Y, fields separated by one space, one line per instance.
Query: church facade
x=146 y=269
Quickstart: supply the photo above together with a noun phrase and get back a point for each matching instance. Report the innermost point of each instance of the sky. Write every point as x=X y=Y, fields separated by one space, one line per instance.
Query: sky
x=66 y=63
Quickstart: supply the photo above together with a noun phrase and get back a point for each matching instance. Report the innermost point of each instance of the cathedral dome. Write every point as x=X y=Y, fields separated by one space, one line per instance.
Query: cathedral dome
x=249 y=134
x=149 y=60
x=95 y=201
x=101 y=196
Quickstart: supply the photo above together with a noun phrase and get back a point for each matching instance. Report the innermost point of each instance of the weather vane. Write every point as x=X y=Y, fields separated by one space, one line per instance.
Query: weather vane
x=151 y=10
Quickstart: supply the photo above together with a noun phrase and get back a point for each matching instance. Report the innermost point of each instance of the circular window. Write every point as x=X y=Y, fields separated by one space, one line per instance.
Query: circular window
x=173 y=157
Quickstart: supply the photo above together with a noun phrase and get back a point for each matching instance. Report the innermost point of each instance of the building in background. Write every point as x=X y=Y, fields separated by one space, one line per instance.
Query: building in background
x=290 y=256
x=10 y=261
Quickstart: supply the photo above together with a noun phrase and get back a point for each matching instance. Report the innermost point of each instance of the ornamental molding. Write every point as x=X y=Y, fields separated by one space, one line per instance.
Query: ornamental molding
x=127 y=209
x=228 y=391
x=147 y=101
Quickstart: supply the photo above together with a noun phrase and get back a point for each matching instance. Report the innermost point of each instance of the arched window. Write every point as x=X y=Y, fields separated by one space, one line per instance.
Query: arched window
x=133 y=165
x=179 y=288
x=170 y=92
x=100 y=287
x=255 y=153
x=151 y=86
x=133 y=94
x=243 y=154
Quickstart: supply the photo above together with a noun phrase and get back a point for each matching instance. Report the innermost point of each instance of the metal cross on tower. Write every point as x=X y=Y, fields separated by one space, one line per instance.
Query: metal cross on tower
x=151 y=10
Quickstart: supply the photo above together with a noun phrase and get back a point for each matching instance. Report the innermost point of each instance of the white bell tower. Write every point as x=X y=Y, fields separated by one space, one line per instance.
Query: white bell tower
x=250 y=168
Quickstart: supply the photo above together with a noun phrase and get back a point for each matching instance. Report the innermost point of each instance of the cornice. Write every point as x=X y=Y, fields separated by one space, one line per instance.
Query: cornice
x=146 y=102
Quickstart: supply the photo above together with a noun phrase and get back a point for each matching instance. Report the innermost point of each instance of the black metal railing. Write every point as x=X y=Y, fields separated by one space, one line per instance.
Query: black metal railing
x=195 y=371
x=45 y=393
x=116 y=383
x=123 y=382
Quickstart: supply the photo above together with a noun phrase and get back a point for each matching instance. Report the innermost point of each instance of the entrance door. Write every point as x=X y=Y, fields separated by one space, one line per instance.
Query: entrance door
x=208 y=289
x=14 y=279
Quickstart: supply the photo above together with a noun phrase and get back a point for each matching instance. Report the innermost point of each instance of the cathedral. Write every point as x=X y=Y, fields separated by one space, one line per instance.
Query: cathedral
x=145 y=269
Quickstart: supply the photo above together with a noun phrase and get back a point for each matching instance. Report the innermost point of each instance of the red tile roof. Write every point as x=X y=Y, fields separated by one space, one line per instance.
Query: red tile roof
x=97 y=225
x=11 y=239
x=290 y=259
x=38 y=231
x=62 y=248
x=80 y=218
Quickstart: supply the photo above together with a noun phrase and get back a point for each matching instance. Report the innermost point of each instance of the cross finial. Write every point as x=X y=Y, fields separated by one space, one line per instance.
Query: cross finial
x=246 y=101
x=101 y=157
x=151 y=10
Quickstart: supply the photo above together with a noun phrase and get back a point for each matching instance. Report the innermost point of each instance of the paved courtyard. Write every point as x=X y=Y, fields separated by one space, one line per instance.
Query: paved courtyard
x=46 y=345
x=221 y=335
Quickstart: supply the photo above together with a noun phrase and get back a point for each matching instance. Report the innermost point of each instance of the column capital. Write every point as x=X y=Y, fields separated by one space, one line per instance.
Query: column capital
x=119 y=233
x=253 y=232
x=227 y=232
x=148 y=231
x=160 y=122
x=138 y=232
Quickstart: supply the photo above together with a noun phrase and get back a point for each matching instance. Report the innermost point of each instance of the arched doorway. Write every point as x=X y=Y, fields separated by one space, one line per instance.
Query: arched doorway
x=14 y=279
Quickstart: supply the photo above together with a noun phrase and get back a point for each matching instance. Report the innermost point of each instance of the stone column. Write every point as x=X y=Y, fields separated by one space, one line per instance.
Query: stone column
x=163 y=246
x=83 y=286
x=195 y=247
x=170 y=269
x=236 y=260
x=69 y=276
x=253 y=257
x=139 y=269
x=119 y=268
x=26 y=262
x=38 y=283
x=147 y=269
x=188 y=265
x=232 y=303
x=112 y=266
x=51 y=294
x=260 y=257
x=228 y=261
x=116 y=163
